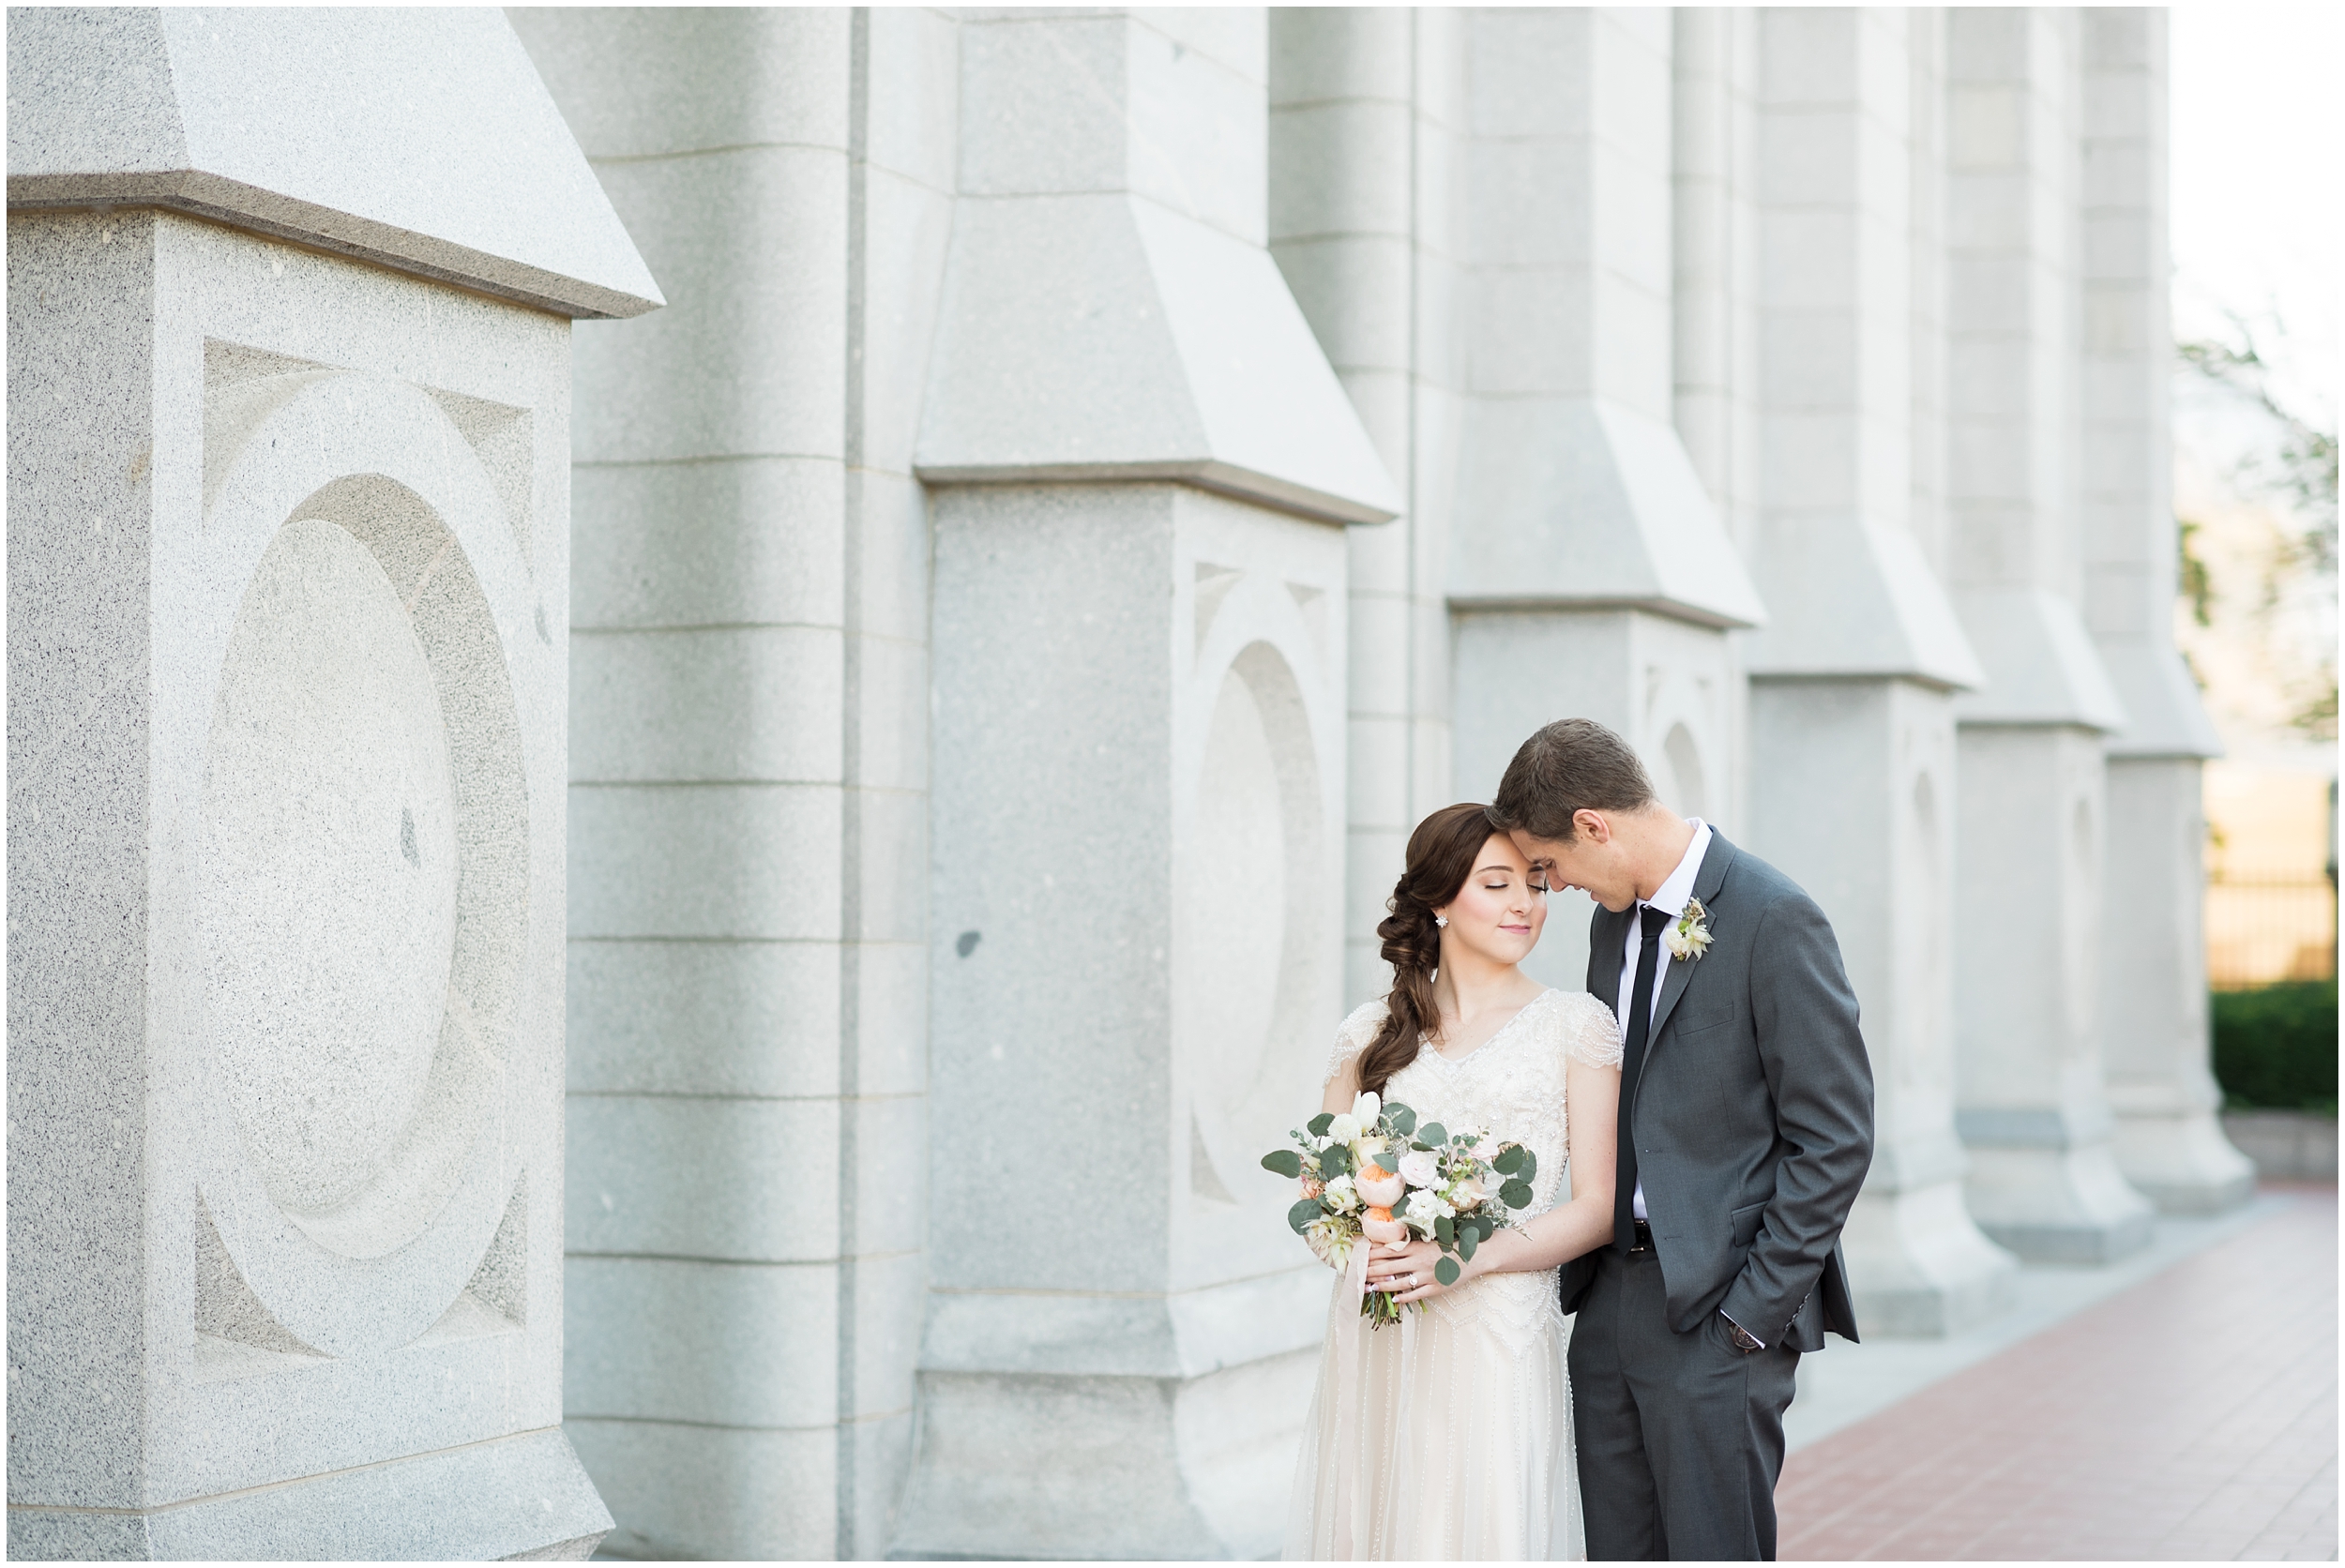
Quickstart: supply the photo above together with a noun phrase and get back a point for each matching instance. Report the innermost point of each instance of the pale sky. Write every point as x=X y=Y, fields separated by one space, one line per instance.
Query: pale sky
x=2258 y=193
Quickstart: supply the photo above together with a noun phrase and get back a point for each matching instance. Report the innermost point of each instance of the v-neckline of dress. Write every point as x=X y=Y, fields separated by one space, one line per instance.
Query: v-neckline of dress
x=1496 y=1034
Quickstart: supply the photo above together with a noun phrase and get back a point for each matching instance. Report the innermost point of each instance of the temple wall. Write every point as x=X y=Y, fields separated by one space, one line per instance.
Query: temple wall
x=878 y=778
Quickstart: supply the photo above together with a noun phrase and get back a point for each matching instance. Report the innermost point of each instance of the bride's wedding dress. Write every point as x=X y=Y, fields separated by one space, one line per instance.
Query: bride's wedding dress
x=1448 y=1435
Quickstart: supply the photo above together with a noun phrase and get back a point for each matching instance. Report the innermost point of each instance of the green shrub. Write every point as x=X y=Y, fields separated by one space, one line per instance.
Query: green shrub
x=2275 y=1046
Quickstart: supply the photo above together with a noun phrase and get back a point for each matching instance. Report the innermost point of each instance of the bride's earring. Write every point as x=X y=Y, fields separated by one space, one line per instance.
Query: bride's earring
x=1441 y=920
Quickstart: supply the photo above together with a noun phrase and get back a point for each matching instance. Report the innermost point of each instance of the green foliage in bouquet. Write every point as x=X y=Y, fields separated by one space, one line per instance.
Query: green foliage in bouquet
x=1461 y=1234
x=1374 y=1174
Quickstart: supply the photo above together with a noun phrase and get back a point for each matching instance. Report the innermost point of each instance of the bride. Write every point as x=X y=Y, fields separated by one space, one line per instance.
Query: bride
x=1448 y=1435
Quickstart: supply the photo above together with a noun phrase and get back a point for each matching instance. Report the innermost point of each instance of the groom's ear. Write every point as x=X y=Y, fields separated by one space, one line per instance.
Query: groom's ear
x=1591 y=826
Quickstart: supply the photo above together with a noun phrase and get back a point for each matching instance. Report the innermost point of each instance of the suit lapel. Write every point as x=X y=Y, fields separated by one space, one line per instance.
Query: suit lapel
x=1680 y=974
x=1673 y=983
x=1605 y=935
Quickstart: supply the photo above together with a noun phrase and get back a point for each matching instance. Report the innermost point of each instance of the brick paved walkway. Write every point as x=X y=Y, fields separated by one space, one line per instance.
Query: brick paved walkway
x=2193 y=1416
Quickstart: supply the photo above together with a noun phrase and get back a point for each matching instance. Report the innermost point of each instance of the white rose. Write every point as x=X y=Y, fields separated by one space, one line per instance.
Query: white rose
x=1425 y=1207
x=1343 y=1129
x=1421 y=1169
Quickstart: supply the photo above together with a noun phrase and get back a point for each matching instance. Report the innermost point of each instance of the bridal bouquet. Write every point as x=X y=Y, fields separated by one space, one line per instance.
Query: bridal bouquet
x=1374 y=1173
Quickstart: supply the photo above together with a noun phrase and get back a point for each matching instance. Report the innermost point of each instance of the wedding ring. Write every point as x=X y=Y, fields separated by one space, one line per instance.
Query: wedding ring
x=1413 y=1282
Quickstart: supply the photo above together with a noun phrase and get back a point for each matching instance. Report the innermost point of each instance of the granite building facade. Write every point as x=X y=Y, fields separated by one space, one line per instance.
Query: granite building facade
x=1095 y=479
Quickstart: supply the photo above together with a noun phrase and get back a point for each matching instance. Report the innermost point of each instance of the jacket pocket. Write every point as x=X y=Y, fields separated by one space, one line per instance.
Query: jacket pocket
x=1701 y=1023
x=1745 y=1221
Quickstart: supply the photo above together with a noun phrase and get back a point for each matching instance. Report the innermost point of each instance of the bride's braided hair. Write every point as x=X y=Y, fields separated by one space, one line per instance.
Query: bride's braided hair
x=1442 y=853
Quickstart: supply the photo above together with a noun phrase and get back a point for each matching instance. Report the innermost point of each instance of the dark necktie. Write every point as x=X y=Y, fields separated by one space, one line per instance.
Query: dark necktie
x=1631 y=1064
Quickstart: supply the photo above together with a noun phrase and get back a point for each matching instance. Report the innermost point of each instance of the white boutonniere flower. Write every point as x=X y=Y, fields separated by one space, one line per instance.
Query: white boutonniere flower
x=1691 y=936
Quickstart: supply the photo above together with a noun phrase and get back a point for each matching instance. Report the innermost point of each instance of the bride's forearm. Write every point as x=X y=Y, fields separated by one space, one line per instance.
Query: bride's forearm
x=1557 y=1236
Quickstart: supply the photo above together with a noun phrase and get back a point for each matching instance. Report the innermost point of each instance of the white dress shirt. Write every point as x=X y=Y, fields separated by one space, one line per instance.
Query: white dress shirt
x=1670 y=898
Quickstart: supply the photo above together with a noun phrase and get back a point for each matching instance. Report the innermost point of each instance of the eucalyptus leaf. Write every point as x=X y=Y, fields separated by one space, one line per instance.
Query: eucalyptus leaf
x=1530 y=1168
x=1432 y=1134
x=1403 y=1119
x=1283 y=1161
x=1509 y=1160
x=1319 y=1124
x=1301 y=1215
x=1447 y=1271
x=1445 y=1229
x=1466 y=1244
x=1335 y=1160
x=1515 y=1194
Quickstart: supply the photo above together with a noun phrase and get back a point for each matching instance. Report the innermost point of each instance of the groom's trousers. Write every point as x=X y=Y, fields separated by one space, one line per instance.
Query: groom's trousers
x=1680 y=1435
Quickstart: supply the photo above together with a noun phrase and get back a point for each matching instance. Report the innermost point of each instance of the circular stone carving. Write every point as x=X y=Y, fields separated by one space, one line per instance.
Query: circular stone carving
x=1238 y=886
x=369 y=982
x=1253 y=913
x=331 y=856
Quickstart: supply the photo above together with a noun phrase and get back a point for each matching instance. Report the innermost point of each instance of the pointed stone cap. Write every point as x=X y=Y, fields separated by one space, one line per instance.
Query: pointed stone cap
x=2041 y=665
x=1582 y=503
x=2164 y=716
x=415 y=138
x=1102 y=337
x=1853 y=596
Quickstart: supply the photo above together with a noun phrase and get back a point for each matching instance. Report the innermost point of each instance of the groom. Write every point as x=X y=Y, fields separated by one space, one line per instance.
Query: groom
x=1746 y=1129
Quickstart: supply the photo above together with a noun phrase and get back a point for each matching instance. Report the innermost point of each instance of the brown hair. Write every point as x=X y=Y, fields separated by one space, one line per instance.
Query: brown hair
x=1573 y=764
x=1442 y=853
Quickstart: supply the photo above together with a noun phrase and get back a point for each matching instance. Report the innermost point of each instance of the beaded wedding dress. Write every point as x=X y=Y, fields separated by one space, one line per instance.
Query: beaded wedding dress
x=1447 y=1436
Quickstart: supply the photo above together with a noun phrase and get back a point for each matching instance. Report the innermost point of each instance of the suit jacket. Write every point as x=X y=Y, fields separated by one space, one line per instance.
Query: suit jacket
x=1753 y=1115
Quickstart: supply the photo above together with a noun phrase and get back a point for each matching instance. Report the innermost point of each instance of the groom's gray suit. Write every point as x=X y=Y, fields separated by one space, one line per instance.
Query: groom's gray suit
x=1753 y=1121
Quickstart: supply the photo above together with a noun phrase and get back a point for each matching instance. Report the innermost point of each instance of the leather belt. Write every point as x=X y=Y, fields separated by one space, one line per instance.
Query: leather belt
x=1643 y=1238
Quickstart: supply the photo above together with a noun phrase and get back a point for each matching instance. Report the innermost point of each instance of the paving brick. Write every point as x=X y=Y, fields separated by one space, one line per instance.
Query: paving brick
x=2193 y=1416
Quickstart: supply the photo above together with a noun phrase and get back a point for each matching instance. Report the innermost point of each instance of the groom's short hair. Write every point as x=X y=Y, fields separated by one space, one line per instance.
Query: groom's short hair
x=1573 y=764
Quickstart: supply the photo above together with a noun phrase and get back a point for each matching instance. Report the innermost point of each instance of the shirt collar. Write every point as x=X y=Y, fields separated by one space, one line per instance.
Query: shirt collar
x=1672 y=895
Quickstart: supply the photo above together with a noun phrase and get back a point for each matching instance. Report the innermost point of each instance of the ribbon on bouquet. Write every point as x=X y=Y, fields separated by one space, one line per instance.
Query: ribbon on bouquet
x=1348 y=1492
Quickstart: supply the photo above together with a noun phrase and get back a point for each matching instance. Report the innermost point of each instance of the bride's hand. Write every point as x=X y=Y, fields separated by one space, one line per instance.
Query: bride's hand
x=1406 y=1270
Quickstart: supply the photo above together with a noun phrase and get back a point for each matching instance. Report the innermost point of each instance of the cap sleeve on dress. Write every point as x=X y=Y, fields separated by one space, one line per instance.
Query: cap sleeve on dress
x=1590 y=1033
x=1354 y=1036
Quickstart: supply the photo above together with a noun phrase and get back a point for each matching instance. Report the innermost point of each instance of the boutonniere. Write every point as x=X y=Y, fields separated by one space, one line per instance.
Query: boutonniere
x=1692 y=934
